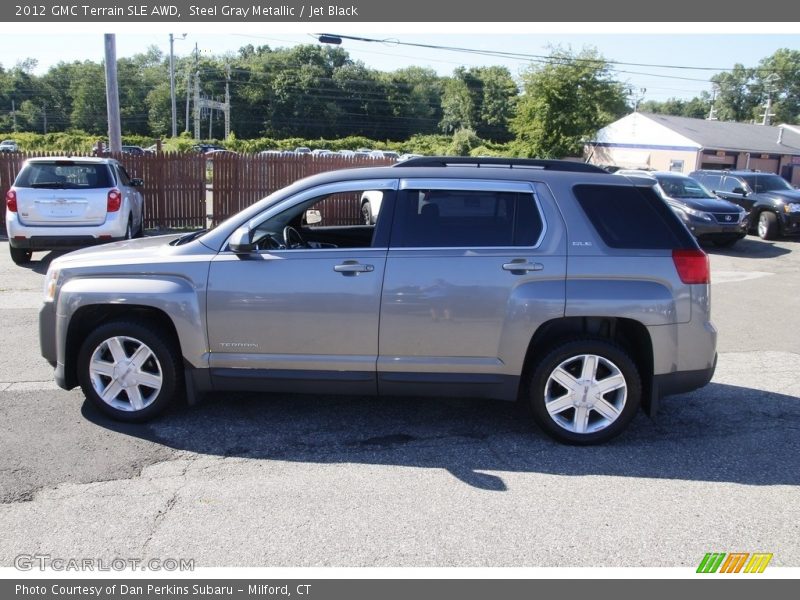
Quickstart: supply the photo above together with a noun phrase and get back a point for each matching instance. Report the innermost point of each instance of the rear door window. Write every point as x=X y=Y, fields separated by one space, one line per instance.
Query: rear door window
x=712 y=182
x=457 y=218
x=730 y=183
x=122 y=175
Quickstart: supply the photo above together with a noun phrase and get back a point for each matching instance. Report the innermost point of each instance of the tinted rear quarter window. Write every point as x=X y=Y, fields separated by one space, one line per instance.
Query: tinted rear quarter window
x=632 y=217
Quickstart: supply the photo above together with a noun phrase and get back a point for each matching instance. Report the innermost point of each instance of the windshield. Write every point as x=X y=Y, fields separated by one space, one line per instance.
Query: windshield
x=683 y=187
x=765 y=182
x=64 y=175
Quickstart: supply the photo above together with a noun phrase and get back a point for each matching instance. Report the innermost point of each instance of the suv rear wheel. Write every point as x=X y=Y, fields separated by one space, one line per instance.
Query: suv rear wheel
x=129 y=371
x=584 y=391
x=20 y=256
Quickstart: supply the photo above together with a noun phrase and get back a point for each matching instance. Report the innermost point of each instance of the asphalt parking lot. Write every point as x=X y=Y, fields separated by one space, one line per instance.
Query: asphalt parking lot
x=249 y=480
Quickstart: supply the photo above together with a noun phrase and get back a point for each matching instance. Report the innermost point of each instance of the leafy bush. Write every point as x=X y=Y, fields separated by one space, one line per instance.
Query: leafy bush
x=463 y=142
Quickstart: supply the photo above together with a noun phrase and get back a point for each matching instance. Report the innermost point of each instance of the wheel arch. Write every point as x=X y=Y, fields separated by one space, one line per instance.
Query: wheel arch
x=631 y=335
x=92 y=316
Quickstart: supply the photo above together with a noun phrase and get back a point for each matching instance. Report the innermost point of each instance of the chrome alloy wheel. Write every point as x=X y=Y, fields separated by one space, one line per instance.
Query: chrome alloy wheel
x=762 y=225
x=125 y=373
x=585 y=393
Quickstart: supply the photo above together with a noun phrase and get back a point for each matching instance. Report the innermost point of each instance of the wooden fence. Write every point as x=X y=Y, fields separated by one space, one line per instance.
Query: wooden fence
x=176 y=185
x=237 y=181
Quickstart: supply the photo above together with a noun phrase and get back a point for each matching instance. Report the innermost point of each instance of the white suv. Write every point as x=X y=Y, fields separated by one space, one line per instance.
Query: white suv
x=69 y=203
x=9 y=146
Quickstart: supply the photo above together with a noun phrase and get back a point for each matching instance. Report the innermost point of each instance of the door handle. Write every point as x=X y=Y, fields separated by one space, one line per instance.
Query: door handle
x=521 y=266
x=353 y=268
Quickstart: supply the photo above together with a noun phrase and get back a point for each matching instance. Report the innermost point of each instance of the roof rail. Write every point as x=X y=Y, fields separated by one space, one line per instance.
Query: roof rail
x=492 y=161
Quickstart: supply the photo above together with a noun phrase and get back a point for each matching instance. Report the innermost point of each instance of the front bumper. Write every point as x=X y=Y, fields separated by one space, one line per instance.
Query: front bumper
x=47 y=332
x=703 y=229
x=48 y=336
x=790 y=223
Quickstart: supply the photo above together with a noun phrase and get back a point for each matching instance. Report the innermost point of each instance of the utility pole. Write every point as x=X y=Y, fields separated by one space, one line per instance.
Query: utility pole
x=770 y=82
x=712 y=115
x=197 y=105
x=14 y=115
x=638 y=98
x=188 y=96
x=227 y=101
x=172 y=83
x=196 y=92
x=112 y=94
x=44 y=117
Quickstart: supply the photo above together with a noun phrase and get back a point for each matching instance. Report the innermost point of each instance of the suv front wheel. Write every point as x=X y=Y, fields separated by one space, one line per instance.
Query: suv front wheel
x=129 y=371
x=767 y=225
x=584 y=391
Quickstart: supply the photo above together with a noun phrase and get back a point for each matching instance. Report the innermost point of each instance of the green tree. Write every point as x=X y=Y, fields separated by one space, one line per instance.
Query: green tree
x=565 y=102
x=481 y=99
x=414 y=97
x=696 y=108
x=736 y=100
x=783 y=71
x=87 y=89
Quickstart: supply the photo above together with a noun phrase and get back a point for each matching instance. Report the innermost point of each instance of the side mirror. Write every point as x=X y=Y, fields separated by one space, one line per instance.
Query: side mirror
x=313 y=217
x=240 y=241
x=739 y=190
x=136 y=182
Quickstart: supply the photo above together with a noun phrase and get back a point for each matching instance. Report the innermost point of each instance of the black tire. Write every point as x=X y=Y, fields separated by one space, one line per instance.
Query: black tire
x=129 y=228
x=140 y=230
x=20 y=256
x=166 y=364
x=767 y=227
x=567 y=356
x=366 y=214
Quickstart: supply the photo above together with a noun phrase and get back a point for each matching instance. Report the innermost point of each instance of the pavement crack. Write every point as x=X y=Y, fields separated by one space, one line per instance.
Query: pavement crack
x=170 y=504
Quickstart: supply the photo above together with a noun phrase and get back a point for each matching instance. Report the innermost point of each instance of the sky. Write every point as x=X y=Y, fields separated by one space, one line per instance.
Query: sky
x=703 y=52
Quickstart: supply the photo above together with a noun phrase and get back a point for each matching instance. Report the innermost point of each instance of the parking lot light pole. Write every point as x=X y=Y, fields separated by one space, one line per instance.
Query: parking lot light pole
x=172 y=83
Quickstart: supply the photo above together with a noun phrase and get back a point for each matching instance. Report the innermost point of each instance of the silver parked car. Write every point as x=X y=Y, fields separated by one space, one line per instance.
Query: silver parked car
x=576 y=292
x=71 y=202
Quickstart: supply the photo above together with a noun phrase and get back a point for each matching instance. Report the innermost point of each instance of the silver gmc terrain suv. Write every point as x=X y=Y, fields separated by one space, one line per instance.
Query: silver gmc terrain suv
x=579 y=293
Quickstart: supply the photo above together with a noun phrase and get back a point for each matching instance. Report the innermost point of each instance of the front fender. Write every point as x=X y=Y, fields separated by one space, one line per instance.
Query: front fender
x=174 y=296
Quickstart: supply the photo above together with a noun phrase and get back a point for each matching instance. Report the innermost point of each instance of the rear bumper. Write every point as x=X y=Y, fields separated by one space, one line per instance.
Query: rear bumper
x=681 y=382
x=55 y=243
x=33 y=237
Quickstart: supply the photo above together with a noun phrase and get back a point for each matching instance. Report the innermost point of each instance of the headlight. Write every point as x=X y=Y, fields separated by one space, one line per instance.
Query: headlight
x=686 y=212
x=51 y=284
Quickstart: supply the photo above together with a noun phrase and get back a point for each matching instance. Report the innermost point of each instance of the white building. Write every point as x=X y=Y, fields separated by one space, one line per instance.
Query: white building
x=663 y=142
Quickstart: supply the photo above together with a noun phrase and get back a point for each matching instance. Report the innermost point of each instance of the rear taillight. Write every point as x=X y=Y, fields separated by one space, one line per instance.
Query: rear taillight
x=11 y=201
x=114 y=201
x=692 y=266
